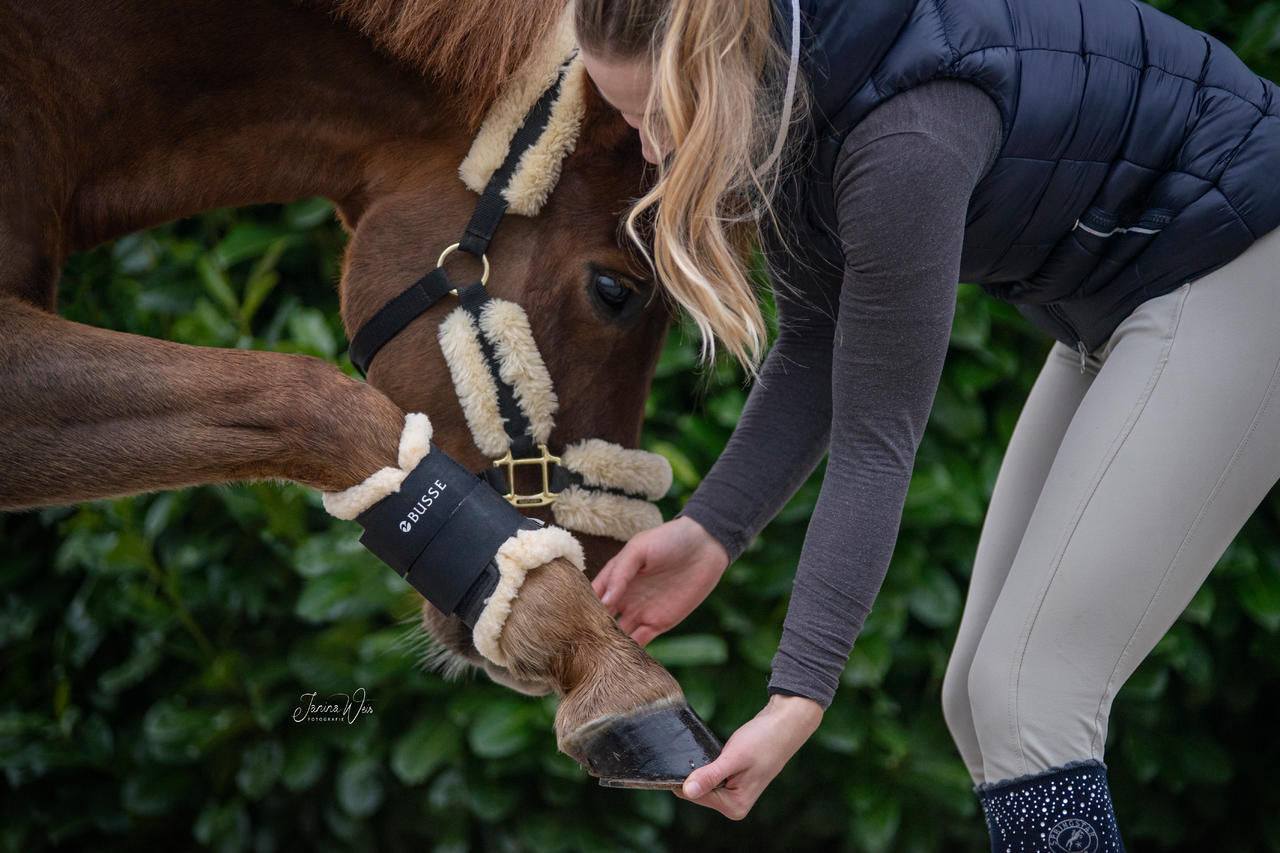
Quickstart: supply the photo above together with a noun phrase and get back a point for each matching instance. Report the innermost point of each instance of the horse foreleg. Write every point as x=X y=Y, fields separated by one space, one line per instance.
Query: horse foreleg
x=622 y=715
x=89 y=413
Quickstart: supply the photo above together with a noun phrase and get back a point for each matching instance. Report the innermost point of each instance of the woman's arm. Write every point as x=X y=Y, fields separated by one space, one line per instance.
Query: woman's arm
x=902 y=184
x=785 y=425
x=902 y=187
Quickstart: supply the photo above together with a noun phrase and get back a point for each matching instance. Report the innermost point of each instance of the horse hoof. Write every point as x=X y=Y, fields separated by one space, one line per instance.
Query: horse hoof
x=654 y=747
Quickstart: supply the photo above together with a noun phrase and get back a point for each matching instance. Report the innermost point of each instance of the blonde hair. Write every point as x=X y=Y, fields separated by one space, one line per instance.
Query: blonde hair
x=716 y=101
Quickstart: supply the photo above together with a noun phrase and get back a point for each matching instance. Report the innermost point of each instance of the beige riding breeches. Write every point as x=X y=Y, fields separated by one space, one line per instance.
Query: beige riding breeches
x=1122 y=485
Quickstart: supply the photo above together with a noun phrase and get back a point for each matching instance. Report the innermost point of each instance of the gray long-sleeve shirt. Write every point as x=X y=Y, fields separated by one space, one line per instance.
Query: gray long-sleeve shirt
x=855 y=371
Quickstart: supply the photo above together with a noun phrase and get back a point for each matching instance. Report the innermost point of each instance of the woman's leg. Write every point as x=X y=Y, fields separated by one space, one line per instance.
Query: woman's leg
x=1174 y=445
x=1052 y=402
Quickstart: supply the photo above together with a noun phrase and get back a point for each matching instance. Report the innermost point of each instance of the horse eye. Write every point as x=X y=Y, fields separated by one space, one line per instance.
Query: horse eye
x=611 y=290
x=617 y=298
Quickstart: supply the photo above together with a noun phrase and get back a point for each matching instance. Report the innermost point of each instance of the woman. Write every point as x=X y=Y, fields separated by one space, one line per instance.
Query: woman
x=1107 y=169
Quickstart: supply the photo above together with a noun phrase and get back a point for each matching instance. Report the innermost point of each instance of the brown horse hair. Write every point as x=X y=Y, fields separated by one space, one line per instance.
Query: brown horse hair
x=89 y=412
x=472 y=55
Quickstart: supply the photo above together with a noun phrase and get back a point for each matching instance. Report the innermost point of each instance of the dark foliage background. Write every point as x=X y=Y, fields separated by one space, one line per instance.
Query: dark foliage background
x=153 y=650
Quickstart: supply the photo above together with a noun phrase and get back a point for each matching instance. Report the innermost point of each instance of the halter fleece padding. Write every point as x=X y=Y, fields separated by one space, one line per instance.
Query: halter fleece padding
x=539 y=168
x=520 y=365
x=601 y=464
x=608 y=466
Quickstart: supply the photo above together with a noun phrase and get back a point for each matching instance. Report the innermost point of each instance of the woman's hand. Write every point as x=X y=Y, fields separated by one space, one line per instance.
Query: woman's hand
x=754 y=755
x=660 y=576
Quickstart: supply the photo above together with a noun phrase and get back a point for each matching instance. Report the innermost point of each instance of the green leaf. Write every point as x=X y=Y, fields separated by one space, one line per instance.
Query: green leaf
x=341 y=595
x=501 y=729
x=217 y=286
x=248 y=240
x=359 y=786
x=1260 y=595
x=177 y=733
x=840 y=732
x=223 y=826
x=423 y=749
x=259 y=768
x=683 y=471
x=304 y=763
x=307 y=213
x=154 y=790
x=689 y=650
x=876 y=826
x=261 y=282
x=491 y=800
x=870 y=660
x=935 y=599
x=311 y=331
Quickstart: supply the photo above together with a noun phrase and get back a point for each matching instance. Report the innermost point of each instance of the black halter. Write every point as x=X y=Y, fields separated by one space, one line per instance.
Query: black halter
x=435 y=285
x=446 y=551
x=424 y=293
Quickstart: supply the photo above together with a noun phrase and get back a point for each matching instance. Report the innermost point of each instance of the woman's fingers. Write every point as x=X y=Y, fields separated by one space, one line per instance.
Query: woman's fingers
x=612 y=582
x=734 y=800
x=639 y=627
x=753 y=756
x=601 y=581
x=706 y=778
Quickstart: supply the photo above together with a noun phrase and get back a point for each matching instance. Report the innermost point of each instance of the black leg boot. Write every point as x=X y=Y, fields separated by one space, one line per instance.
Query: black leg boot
x=1063 y=810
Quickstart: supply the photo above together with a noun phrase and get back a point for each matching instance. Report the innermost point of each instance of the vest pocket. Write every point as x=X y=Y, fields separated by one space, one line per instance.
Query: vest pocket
x=1113 y=243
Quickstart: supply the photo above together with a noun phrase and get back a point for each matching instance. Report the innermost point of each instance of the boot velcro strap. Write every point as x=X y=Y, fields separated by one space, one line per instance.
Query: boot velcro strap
x=440 y=530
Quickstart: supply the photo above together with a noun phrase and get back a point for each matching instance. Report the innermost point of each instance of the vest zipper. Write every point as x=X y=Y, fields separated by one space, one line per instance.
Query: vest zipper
x=1059 y=315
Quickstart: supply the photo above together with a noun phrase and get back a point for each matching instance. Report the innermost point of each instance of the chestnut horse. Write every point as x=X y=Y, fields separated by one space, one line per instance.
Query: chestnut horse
x=115 y=117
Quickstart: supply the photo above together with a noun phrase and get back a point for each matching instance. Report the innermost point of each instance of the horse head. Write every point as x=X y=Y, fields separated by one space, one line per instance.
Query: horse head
x=592 y=305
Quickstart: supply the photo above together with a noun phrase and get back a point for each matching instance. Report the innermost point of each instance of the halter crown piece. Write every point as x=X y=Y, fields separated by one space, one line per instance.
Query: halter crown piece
x=465 y=548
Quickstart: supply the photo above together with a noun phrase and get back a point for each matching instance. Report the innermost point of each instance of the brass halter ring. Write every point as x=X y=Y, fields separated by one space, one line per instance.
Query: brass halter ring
x=546 y=497
x=449 y=250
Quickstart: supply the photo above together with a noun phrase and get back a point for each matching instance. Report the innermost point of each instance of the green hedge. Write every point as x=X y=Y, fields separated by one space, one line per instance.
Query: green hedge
x=154 y=650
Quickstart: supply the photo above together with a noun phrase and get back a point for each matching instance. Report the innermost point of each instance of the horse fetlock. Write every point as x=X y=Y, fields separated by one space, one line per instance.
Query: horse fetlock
x=558 y=630
x=451 y=653
x=630 y=725
x=622 y=716
x=613 y=680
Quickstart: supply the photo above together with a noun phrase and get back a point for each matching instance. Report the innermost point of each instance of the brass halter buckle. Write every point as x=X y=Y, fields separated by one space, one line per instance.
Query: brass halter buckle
x=546 y=497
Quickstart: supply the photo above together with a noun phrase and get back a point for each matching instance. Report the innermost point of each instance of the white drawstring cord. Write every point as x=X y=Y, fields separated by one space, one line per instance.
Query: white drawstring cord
x=792 y=73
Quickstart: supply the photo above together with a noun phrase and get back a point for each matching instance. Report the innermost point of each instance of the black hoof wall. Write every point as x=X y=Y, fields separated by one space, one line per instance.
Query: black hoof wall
x=657 y=748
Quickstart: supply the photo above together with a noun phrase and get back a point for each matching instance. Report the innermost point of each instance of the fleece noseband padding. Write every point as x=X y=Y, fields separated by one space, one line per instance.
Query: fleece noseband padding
x=604 y=489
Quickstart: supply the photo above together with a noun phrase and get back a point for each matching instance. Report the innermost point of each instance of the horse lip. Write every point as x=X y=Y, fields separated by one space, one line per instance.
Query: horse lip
x=657 y=746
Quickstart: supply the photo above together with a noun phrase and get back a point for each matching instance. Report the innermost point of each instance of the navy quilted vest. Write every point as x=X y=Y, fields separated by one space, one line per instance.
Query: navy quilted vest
x=1138 y=153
